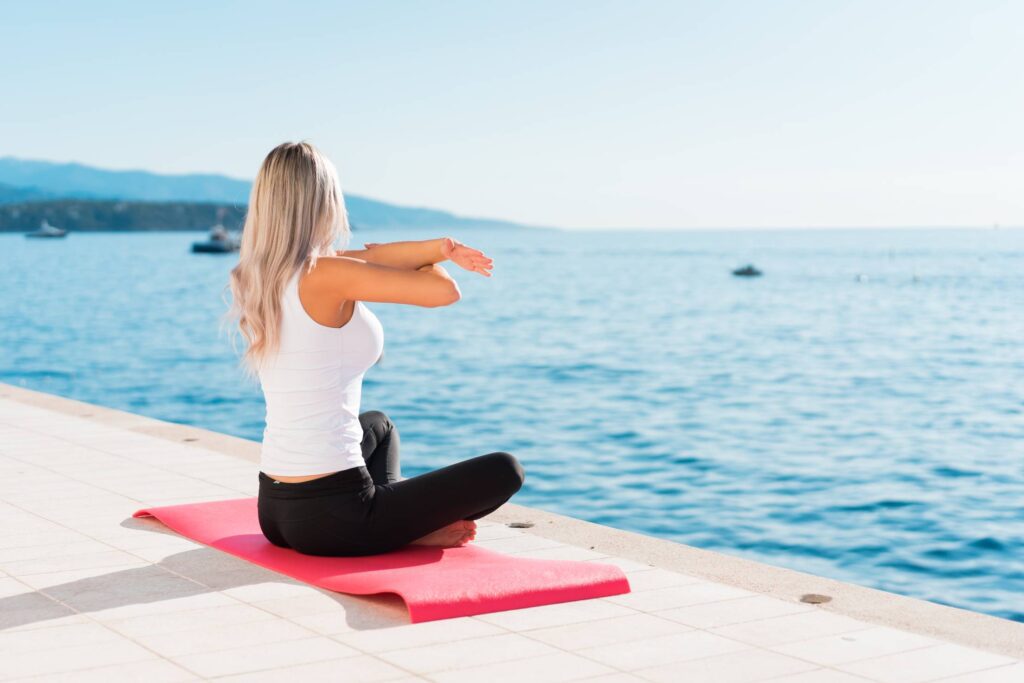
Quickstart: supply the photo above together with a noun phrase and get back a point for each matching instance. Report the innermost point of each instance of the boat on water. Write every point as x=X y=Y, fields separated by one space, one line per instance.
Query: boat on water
x=47 y=230
x=220 y=241
x=747 y=271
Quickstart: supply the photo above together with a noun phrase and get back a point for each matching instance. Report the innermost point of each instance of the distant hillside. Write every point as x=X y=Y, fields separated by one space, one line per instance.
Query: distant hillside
x=24 y=181
x=80 y=181
x=10 y=194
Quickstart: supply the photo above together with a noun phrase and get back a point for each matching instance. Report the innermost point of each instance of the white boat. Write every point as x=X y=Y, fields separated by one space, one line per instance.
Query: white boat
x=47 y=230
x=220 y=241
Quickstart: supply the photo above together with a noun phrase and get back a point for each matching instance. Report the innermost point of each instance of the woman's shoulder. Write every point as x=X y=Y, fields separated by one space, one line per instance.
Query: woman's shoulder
x=321 y=300
x=325 y=273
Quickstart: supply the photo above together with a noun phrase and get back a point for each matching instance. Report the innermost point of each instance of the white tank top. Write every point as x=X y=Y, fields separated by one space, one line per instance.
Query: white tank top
x=313 y=388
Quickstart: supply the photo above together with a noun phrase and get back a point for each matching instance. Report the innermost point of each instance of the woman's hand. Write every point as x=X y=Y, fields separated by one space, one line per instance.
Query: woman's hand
x=466 y=257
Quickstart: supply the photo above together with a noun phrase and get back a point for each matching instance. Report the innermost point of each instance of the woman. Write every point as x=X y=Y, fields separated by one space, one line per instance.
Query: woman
x=329 y=480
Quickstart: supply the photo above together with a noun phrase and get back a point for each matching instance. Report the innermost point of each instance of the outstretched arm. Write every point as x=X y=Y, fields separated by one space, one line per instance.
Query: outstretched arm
x=339 y=278
x=415 y=254
x=408 y=255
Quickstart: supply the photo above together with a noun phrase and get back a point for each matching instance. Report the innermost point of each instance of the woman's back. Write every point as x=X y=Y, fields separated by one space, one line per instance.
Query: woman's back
x=313 y=389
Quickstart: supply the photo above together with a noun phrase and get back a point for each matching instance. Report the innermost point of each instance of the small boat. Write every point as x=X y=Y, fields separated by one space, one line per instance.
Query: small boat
x=47 y=230
x=747 y=271
x=220 y=242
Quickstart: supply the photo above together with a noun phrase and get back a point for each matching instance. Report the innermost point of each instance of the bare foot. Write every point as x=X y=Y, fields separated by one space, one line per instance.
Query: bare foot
x=455 y=534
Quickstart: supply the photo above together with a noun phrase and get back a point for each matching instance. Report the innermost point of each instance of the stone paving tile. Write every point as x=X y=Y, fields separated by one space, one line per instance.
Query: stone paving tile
x=658 y=650
x=849 y=647
x=514 y=544
x=486 y=531
x=71 y=658
x=745 y=666
x=627 y=565
x=314 y=602
x=210 y=638
x=676 y=596
x=562 y=552
x=137 y=533
x=24 y=604
x=555 y=614
x=284 y=587
x=54 y=638
x=406 y=636
x=122 y=591
x=791 y=628
x=10 y=586
x=732 y=611
x=168 y=604
x=158 y=552
x=186 y=620
x=560 y=666
x=437 y=657
x=56 y=487
x=50 y=549
x=149 y=670
x=819 y=676
x=1011 y=673
x=21 y=619
x=91 y=575
x=37 y=532
x=360 y=669
x=60 y=563
x=219 y=579
x=271 y=655
x=654 y=578
x=357 y=613
x=925 y=664
x=608 y=631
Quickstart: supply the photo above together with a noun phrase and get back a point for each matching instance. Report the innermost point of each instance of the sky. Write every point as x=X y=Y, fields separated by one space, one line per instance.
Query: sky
x=630 y=114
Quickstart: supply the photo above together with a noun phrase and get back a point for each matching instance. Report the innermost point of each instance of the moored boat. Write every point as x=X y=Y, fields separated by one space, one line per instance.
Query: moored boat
x=47 y=230
x=747 y=271
x=220 y=242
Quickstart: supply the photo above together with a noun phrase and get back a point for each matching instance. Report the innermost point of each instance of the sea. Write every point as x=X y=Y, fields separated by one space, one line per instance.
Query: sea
x=855 y=412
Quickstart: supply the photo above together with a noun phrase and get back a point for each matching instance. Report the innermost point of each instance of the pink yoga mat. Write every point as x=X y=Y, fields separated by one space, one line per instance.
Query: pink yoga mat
x=434 y=582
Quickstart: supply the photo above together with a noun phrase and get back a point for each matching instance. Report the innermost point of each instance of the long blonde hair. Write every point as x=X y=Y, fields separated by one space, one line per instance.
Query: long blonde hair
x=296 y=213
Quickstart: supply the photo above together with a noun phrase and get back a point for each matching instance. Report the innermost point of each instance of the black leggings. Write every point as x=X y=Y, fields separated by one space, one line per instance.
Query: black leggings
x=371 y=509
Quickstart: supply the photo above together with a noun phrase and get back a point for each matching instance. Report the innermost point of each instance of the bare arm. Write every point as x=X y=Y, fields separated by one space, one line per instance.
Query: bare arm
x=339 y=278
x=408 y=255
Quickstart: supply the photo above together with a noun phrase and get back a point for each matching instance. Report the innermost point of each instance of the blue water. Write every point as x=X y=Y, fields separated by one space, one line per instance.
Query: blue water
x=856 y=413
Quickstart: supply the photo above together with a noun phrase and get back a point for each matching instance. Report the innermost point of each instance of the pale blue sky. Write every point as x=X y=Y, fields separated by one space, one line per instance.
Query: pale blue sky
x=578 y=114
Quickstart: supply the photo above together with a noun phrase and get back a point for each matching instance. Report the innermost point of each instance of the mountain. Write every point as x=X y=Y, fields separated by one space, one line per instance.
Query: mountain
x=86 y=182
x=10 y=194
x=27 y=182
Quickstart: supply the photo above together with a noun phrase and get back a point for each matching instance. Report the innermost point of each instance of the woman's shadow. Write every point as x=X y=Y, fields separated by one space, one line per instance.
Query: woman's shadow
x=181 y=575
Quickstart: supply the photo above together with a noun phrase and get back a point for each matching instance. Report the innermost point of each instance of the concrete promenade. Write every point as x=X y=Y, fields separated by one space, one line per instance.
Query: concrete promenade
x=89 y=593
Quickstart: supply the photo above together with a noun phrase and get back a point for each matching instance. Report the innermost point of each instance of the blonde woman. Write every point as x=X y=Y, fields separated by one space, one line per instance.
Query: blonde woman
x=330 y=480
